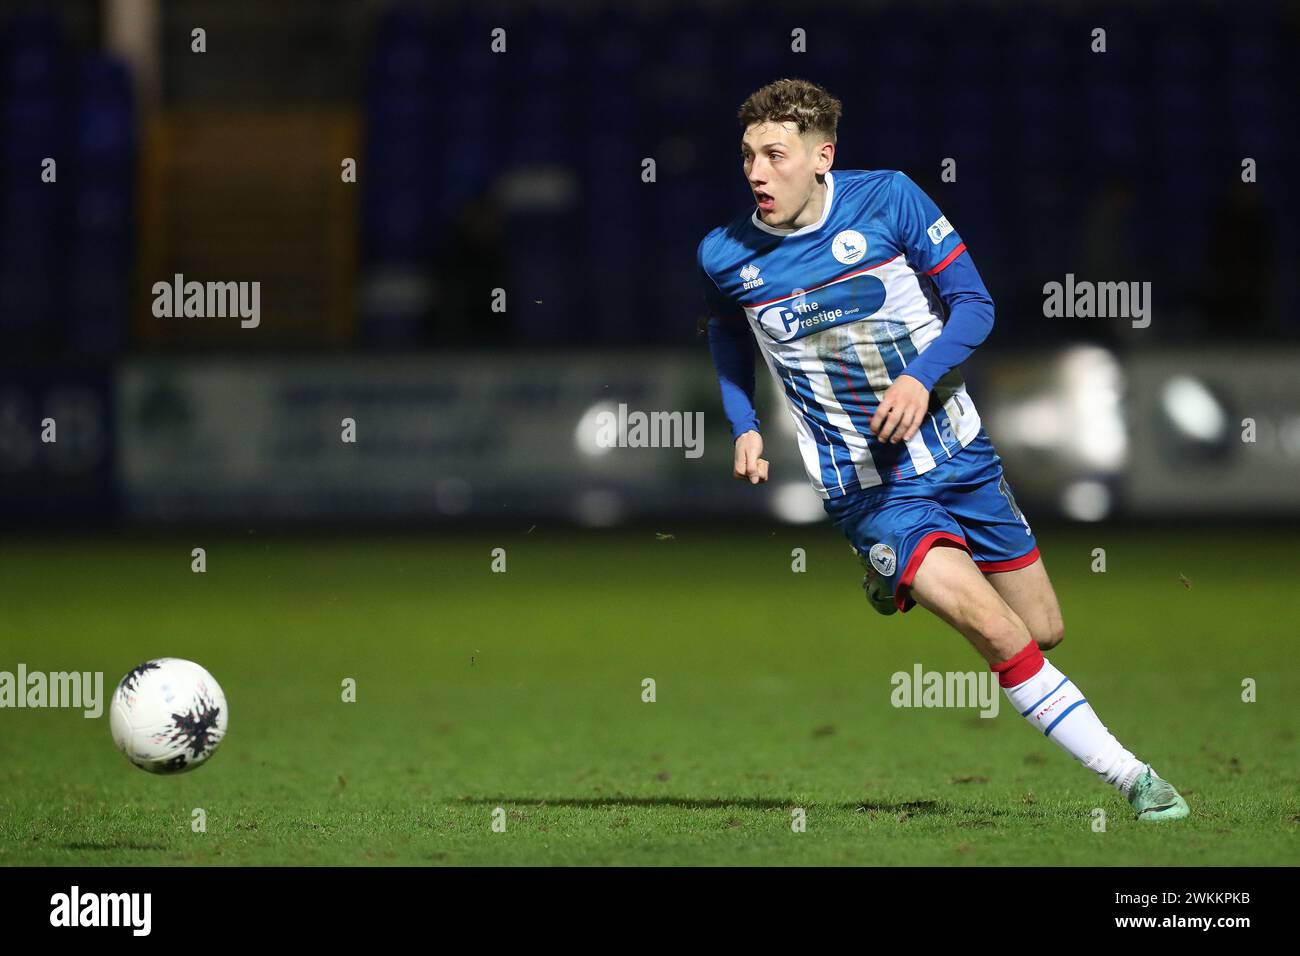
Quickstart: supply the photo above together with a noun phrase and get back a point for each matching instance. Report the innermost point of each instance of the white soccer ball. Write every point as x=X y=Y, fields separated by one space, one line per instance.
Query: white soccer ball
x=168 y=715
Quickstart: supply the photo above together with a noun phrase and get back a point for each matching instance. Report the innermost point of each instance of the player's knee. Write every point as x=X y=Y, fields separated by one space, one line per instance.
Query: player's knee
x=1051 y=636
x=1003 y=632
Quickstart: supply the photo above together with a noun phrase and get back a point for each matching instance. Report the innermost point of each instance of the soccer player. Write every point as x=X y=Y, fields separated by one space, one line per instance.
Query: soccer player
x=843 y=280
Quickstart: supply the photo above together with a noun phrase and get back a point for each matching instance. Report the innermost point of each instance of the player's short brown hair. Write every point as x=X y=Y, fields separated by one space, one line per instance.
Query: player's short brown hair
x=806 y=104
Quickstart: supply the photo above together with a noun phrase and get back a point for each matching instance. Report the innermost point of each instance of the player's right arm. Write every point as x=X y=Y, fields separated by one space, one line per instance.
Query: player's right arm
x=733 y=359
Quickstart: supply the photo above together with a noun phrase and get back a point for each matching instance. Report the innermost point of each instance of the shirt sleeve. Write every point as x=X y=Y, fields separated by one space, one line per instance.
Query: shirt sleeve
x=733 y=358
x=970 y=319
x=933 y=247
x=732 y=349
x=921 y=231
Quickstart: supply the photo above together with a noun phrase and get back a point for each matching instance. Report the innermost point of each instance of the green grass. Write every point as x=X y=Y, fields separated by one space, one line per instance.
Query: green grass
x=523 y=690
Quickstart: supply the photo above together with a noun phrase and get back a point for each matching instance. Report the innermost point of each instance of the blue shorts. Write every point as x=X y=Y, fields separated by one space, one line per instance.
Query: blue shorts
x=964 y=500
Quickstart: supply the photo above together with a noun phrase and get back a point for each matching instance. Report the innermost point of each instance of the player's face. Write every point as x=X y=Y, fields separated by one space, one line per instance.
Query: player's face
x=782 y=169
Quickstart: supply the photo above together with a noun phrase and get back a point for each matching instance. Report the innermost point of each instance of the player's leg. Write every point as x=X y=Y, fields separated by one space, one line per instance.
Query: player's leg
x=947 y=582
x=1004 y=556
x=1001 y=540
x=919 y=552
x=1028 y=591
x=899 y=528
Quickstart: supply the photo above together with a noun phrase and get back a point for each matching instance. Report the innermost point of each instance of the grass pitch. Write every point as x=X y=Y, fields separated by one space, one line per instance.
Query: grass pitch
x=523 y=691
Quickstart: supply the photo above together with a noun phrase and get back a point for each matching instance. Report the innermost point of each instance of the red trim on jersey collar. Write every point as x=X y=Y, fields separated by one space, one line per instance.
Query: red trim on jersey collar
x=947 y=260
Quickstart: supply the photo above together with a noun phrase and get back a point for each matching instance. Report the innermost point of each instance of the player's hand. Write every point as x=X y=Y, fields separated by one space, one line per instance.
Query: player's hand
x=749 y=461
x=901 y=411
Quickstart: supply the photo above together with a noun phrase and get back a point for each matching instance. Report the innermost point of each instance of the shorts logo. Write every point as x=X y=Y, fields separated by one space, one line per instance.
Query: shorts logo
x=882 y=558
x=939 y=229
x=848 y=246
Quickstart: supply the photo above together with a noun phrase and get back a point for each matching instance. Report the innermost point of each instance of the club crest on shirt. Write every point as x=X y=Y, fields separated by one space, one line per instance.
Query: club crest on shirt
x=882 y=558
x=848 y=246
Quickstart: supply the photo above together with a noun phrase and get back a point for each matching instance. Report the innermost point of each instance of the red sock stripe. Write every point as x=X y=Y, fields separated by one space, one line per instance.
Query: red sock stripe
x=1027 y=662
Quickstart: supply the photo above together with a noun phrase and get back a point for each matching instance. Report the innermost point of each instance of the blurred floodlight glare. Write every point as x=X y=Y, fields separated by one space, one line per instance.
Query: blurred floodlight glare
x=587 y=434
x=1193 y=409
x=1086 y=501
x=1037 y=423
x=1093 y=384
x=1077 y=414
x=796 y=503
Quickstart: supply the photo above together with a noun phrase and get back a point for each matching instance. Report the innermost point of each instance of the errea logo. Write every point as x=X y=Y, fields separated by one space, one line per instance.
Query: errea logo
x=749 y=275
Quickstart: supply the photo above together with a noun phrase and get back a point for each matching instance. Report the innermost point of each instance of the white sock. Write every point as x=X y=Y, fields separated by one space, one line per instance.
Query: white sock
x=1051 y=702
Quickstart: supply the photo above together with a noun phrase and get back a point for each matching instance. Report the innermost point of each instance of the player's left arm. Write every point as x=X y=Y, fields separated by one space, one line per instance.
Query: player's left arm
x=933 y=246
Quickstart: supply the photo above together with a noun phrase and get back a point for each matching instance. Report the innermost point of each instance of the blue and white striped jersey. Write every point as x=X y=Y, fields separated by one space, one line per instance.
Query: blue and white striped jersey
x=839 y=308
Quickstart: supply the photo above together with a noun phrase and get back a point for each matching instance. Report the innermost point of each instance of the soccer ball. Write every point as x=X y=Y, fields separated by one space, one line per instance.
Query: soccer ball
x=168 y=715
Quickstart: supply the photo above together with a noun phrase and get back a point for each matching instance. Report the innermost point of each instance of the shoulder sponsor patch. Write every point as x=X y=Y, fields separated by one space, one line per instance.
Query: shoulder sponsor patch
x=939 y=229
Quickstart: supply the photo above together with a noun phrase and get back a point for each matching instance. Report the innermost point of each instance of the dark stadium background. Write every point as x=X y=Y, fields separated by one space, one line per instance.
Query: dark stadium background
x=522 y=171
x=1169 y=453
